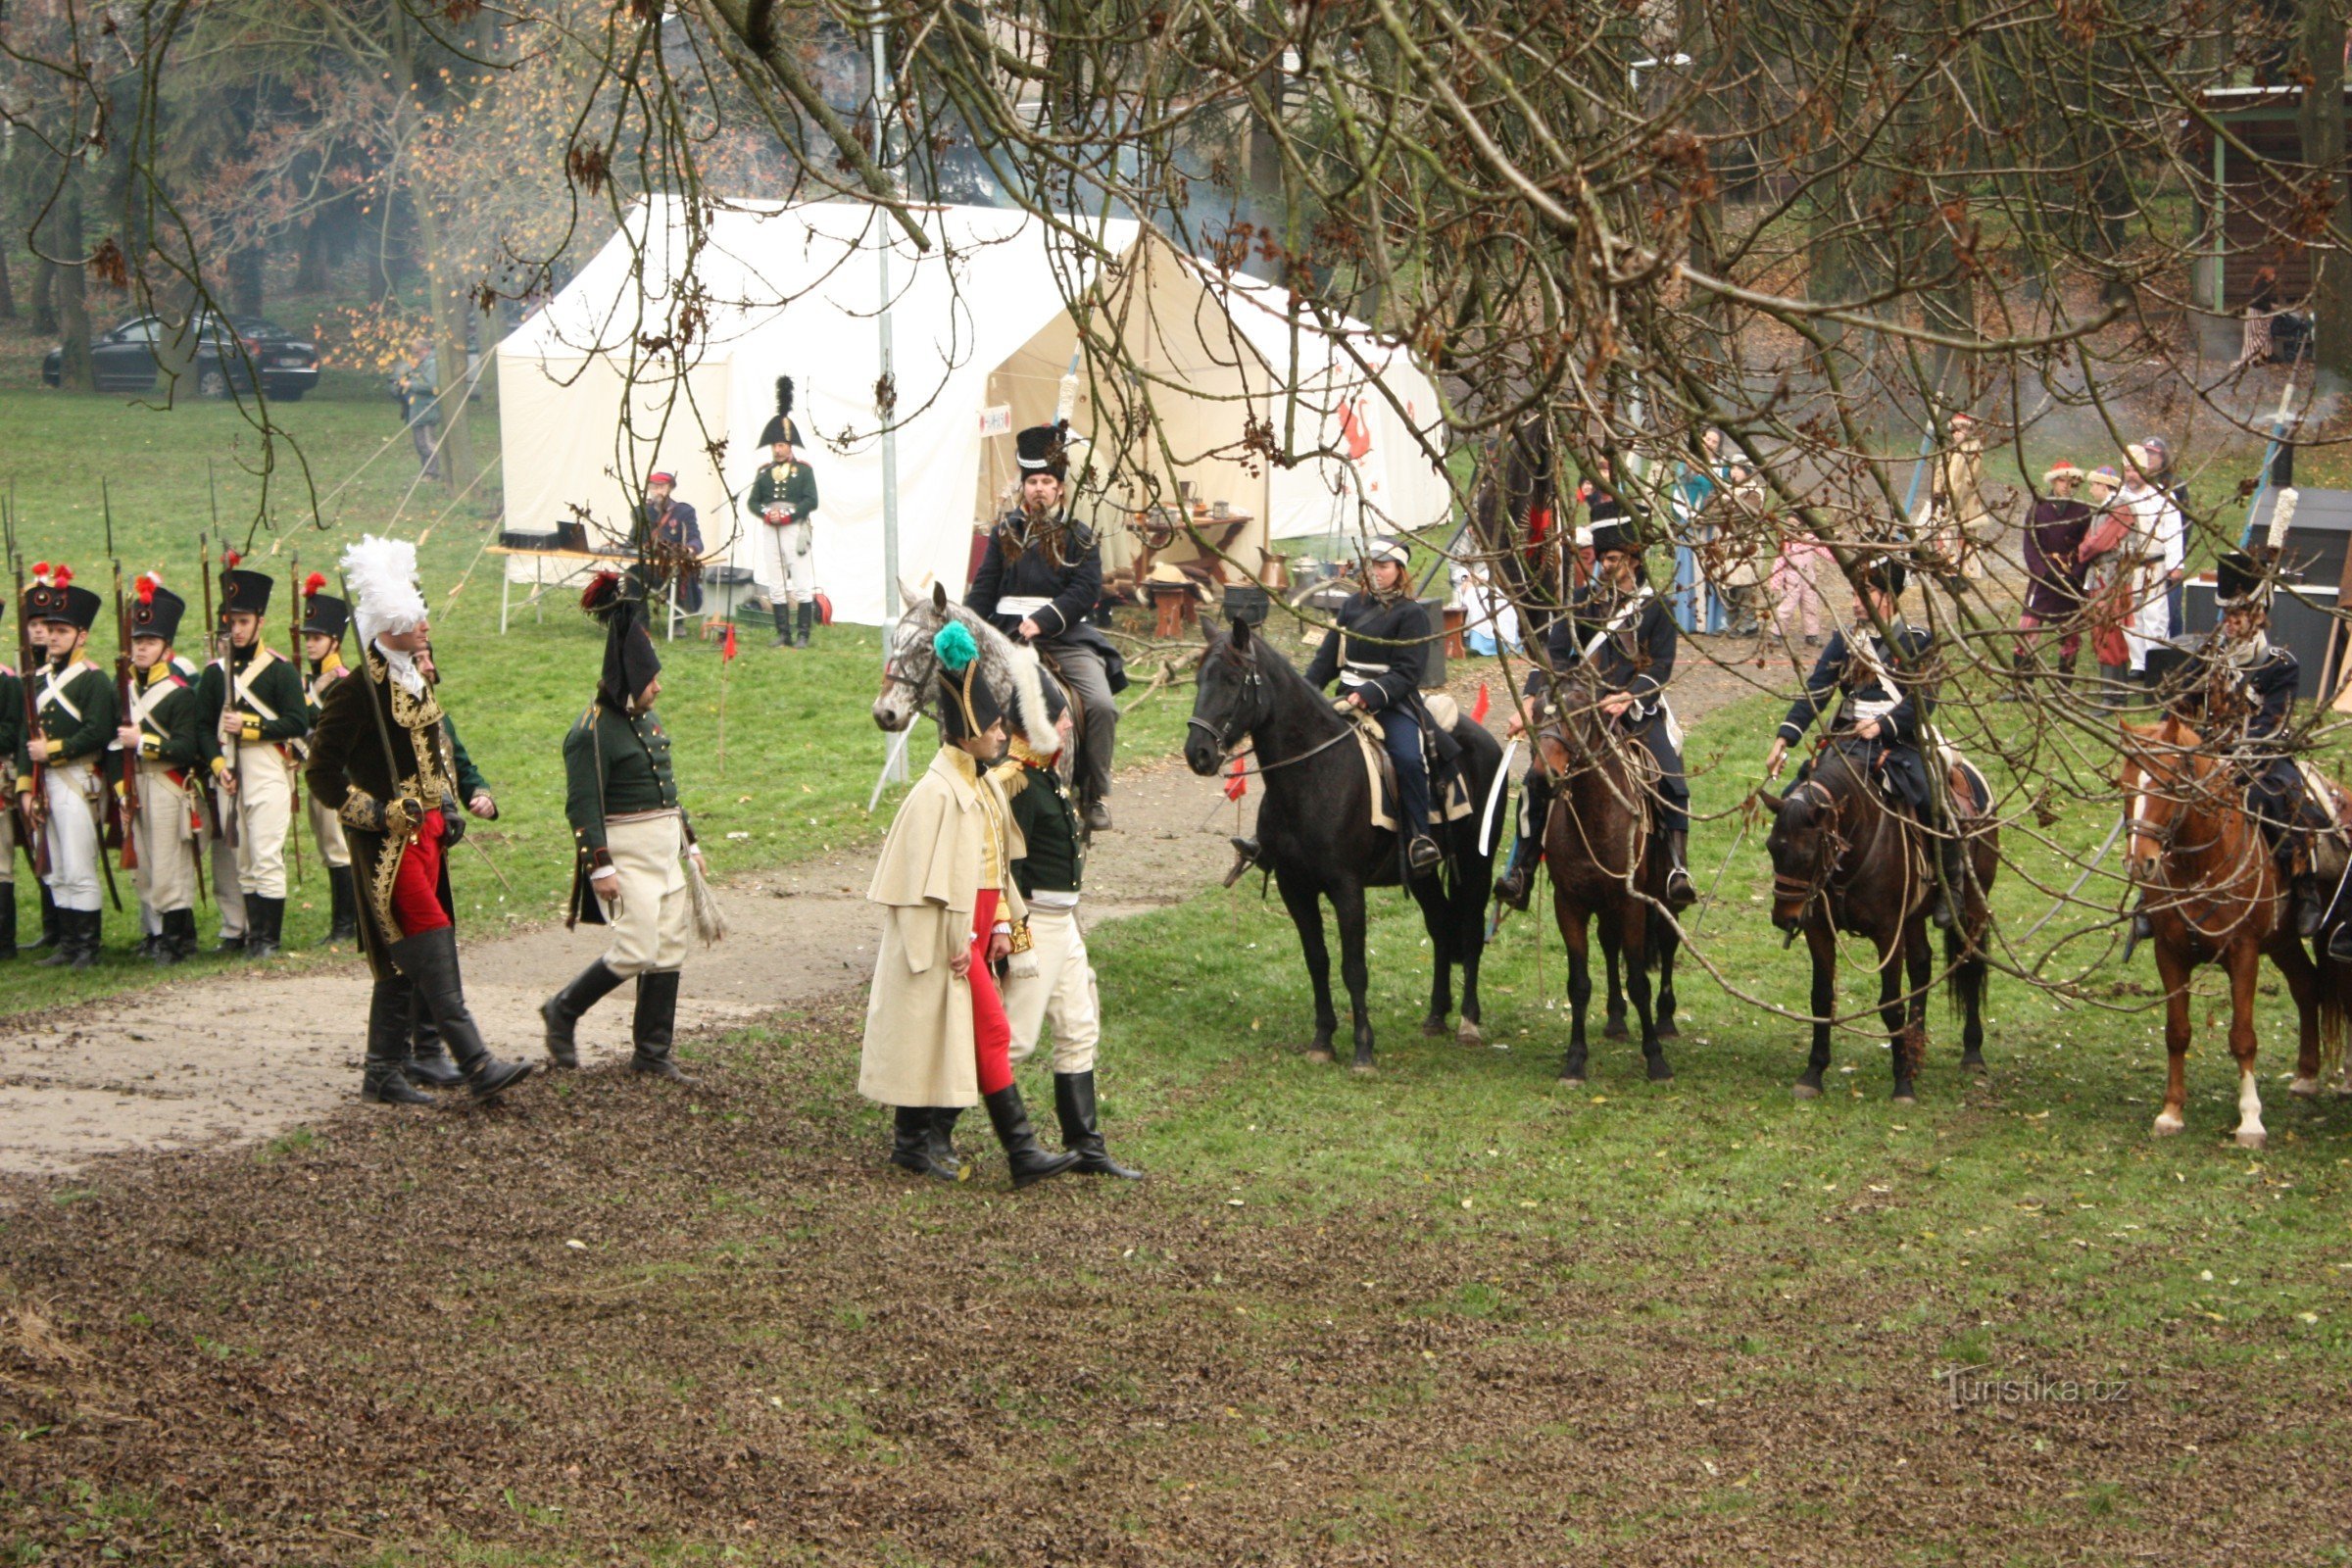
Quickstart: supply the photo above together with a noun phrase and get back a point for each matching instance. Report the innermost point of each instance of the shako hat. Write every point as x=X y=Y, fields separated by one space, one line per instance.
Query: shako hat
x=56 y=597
x=155 y=609
x=322 y=614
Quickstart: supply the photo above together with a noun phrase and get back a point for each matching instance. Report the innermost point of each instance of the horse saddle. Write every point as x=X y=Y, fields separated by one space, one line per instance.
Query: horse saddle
x=1449 y=798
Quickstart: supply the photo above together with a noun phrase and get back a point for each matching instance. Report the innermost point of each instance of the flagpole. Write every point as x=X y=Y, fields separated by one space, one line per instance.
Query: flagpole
x=726 y=658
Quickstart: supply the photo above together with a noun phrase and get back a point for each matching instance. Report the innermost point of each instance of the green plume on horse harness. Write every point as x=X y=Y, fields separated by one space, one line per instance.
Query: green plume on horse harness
x=967 y=704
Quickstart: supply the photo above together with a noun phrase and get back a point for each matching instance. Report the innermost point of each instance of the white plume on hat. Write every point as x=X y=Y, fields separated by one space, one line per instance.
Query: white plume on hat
x=381 y=574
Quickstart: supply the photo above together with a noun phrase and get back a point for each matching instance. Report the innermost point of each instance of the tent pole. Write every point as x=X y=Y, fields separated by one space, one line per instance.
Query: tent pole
x=893 y=766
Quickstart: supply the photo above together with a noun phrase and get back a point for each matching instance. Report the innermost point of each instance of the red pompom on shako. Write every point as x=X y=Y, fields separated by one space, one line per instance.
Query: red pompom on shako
x=230 y=558
x=60 y=577
x=312 y=583
x=145 y=586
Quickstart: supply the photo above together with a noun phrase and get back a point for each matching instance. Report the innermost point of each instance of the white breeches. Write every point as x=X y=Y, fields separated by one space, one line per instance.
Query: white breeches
x=1061 y=993
x=652 y=912
x=68 y=794
x=788 y=561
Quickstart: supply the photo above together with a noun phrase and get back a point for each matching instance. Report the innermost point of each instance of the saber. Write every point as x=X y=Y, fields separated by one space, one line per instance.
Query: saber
x=2068 y=896
x=1503 y=777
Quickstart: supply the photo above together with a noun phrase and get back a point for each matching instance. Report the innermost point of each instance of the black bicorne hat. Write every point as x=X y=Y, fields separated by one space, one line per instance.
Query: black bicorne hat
x=2239 y=583
x=779 y=425
x=630 y=658
x=1614 y=534
x=322 y=614
x=1043 y=449
x=245 y=593
x=1886 y=574
x=156 y=610
x=59 y=599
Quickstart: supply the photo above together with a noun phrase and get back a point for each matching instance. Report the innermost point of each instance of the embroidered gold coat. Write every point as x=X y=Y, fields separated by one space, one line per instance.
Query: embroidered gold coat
x=379 y=799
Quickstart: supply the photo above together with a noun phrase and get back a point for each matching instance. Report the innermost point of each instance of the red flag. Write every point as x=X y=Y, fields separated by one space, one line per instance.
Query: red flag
x=1478 y=709
x=1237 y=780
x=727 y=652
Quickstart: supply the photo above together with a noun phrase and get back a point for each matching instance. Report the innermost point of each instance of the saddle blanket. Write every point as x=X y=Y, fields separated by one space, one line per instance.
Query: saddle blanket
x=1448 y=805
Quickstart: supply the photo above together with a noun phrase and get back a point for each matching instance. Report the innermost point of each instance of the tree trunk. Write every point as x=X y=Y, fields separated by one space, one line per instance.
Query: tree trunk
x=441 y=281
x=75 y=370
x=2320 y=42
x=310 y=276
x=8 y=293
x=245 y=281
x=44 y=296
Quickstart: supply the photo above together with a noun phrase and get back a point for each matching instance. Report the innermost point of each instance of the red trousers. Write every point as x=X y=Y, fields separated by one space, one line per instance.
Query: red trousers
x=417 y=884
x=992 y=1031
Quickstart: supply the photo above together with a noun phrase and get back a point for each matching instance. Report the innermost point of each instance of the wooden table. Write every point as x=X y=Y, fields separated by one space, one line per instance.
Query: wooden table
x=1217 y=534
x=573 y=565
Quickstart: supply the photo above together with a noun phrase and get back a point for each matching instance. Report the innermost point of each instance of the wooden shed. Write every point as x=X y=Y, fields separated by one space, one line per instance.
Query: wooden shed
x=2252 y=192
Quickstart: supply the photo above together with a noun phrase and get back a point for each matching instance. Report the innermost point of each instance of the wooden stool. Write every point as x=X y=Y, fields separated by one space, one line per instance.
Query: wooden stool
x=1174 y=603
x=1455 y=615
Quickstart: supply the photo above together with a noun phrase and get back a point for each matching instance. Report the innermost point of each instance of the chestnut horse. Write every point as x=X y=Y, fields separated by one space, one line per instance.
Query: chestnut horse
x=1846 y=860
x=2214 y=895
x=1599 y=846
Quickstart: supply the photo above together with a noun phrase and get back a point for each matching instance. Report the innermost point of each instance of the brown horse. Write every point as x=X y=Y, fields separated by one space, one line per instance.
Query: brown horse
x=2214 y=895
x=1846 y=860
x=1597 y=844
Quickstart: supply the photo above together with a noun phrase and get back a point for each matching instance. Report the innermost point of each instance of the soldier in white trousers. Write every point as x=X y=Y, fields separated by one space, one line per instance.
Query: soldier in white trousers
x=1061 y=991
x=782 y=501
x=324 y=618
x=255 y=711
x=164 y=732
x=75 y=704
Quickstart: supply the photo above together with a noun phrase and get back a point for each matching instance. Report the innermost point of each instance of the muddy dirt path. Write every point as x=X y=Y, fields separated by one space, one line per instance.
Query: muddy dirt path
x=249 y=1056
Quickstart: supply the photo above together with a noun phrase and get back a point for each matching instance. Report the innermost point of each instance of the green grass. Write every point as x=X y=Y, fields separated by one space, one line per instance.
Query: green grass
x=802 y=752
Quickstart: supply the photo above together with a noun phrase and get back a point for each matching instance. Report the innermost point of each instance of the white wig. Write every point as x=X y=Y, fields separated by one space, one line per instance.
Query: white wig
x=381 y=574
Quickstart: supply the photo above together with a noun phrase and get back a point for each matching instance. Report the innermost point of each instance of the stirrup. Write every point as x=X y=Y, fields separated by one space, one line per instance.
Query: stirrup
x=1422 y=854
x=1245 y=856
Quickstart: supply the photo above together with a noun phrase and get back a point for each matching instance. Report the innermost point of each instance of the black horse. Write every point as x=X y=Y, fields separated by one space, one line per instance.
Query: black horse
x=1843 y=859
x=1314 y=829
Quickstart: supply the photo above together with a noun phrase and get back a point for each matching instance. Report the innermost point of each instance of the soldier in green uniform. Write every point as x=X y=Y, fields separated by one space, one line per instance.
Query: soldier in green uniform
x=630 y=838
x=165 y=731
x=11 y=734
x=255 y=709
x=323 y=620
x=783 y=504
x=75 y=702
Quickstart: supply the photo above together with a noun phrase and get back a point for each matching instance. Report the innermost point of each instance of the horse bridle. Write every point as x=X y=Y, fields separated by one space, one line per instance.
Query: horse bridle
x=1244 y=711
x=1832 y=851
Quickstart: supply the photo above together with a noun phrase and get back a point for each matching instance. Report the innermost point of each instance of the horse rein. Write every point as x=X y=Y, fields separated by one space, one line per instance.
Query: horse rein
x=1228 y=740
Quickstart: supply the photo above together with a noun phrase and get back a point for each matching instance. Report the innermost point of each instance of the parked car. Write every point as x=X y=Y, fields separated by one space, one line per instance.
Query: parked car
x=207 y=349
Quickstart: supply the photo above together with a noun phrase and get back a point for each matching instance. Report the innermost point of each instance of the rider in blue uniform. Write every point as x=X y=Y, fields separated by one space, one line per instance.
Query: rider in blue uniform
x=1039 y=583
x=1889 y=695
x=1376 y=653
x=1617 y=625
x=2239 y=680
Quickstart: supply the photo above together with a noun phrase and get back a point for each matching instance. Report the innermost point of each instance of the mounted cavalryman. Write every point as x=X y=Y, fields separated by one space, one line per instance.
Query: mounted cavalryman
x=165 y=731
x=1619 y=628
x=2240 y=690
x=1880 y=664
x=1377 y=652
x=1039 y=581
x=74 y=700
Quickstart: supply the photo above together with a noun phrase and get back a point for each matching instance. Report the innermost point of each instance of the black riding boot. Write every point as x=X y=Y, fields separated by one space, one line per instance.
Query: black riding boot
x=1519 y=874
x=66 y=950
x=783 y=614
x=1681 y=890
x=8 y=920
x=429 y=1064
x=943 y=1140
x=804 y=617
x=655 y=1021
x=1022 y=1156
x=179 y=930
x=1081 y=1135
x=1951 y=890
x=343 y=904
x=561 y=1011
x=48 y=921
x=265 y=925
x=382 y=1081
x=163 y=949
x=431 y=962
x=913 y=1146
x=1422 y=855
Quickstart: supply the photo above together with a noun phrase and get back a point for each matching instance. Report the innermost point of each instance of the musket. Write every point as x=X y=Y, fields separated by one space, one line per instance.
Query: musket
x=36 y=842
x=34 y=799
x=126 y=687
x=225 y=822
x=295 y=750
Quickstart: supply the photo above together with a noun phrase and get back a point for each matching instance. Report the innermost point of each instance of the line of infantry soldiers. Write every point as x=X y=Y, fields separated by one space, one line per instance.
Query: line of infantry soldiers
x=177 y=765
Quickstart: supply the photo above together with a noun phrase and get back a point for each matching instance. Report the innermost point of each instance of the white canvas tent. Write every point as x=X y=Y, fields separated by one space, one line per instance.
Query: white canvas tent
x=980 y=326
